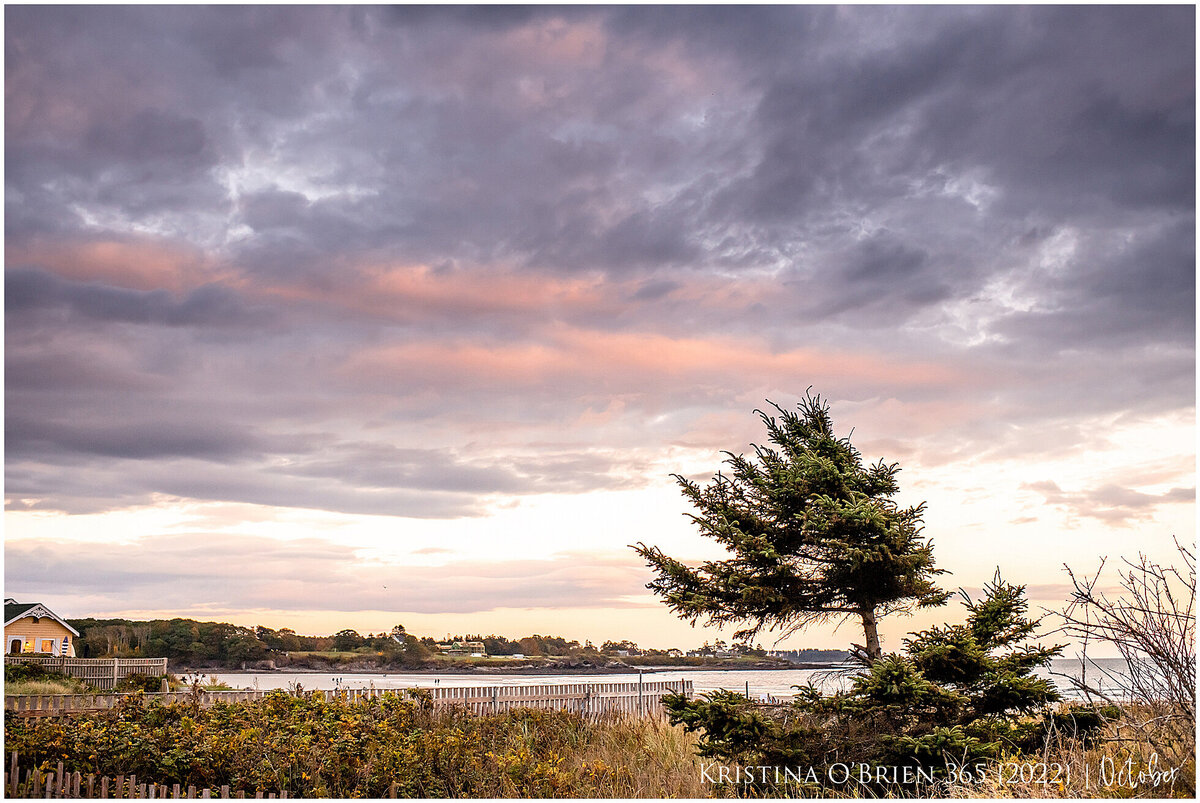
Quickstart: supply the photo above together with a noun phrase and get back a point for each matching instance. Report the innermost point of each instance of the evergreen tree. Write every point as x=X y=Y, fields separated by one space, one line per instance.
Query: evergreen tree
x=814 y=535
x=958 y=694
x=962 y=690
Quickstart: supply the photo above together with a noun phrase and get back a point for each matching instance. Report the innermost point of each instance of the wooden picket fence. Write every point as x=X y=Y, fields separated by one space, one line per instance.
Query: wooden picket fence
x=103 y=673
x=590 y=700
x=34 y=783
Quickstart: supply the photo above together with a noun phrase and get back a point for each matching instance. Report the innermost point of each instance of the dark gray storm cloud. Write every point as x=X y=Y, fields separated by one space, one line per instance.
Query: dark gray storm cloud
x=212 y=305
x=393 y=260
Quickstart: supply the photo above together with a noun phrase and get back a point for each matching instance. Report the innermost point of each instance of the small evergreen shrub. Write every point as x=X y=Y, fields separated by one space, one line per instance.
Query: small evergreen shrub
x=958 y=695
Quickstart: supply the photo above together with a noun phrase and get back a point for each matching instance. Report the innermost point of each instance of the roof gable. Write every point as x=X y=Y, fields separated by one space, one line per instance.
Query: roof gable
x=14 y=610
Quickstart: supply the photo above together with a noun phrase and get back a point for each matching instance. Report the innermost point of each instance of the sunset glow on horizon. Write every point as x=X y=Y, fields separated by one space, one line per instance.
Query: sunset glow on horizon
x=343 y=317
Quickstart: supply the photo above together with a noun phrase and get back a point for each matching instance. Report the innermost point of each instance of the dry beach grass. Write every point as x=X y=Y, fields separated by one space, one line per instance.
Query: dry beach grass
x=354 y=750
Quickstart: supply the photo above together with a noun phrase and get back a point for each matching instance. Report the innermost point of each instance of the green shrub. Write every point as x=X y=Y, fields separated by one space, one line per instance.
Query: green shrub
x=312 y=747
x=16 y=672
x=959 y=694
x=22 y=678
x=137 y=681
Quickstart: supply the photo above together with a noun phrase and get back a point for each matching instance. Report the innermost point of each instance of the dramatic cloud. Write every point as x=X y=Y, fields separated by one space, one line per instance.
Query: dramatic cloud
x=427 y=263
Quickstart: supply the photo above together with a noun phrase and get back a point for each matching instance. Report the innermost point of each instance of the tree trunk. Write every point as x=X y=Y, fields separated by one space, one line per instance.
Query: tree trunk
x=871 y=631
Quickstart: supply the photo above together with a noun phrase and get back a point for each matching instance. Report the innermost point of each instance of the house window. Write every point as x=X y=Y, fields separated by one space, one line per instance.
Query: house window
x=47 y=645
x=15 y=645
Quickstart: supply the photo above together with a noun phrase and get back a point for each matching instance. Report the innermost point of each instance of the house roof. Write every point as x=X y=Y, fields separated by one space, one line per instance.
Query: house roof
x=14 y=610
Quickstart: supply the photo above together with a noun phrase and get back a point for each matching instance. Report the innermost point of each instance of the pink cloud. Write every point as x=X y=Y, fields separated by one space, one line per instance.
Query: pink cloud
x=626 y=361
x=138 y=263
x=417 y=291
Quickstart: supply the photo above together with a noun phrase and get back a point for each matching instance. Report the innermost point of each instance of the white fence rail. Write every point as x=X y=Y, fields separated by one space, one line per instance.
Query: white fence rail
x=586 y=699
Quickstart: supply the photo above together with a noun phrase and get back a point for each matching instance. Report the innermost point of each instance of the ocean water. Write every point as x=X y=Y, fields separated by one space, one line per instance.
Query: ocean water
x=759 y=683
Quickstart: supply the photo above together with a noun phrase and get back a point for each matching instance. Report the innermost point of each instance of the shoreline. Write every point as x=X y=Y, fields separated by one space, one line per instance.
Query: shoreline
x=490 y=670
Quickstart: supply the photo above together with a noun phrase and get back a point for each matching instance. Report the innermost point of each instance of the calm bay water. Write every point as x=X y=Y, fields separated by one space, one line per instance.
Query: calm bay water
x=774 y=682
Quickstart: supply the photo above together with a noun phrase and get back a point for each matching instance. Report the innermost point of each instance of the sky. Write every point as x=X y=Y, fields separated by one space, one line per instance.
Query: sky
x=326 y=317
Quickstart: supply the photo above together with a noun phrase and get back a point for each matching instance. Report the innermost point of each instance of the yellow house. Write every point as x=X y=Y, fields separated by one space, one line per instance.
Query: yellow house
x=31 y=627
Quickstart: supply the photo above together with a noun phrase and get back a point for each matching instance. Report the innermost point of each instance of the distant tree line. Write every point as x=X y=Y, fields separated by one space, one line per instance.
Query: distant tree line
x=181 y=639
x=193 y=642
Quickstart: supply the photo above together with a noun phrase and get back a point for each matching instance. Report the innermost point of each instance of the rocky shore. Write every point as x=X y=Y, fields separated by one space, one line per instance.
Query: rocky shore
x=563 y=666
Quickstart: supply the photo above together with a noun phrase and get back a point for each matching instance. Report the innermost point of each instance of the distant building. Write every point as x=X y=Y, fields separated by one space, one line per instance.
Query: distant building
x=711 y=652
x=674 y=653
x=811 y=656
x=475 y=649
x=31 y=627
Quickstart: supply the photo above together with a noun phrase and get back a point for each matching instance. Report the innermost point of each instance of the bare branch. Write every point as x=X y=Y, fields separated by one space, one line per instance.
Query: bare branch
x=1152 y=626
